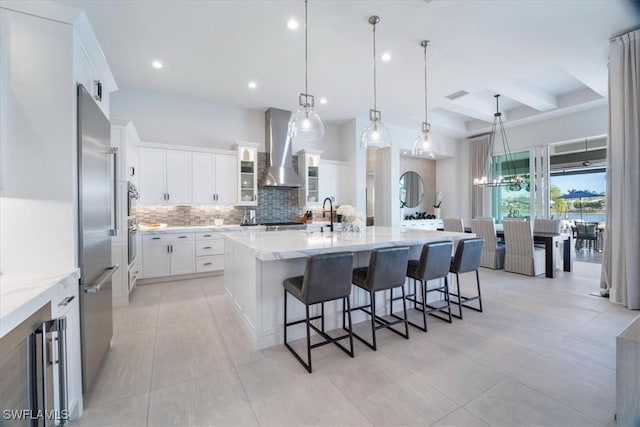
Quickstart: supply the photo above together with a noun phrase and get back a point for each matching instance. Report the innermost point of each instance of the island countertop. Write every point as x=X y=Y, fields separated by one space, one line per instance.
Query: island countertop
x=269 y=246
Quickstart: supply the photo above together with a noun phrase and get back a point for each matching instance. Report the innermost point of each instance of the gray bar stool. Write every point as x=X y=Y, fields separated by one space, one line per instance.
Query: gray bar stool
x=387 y=270
x=433 y=264
x=327 y=277
x=468 y=257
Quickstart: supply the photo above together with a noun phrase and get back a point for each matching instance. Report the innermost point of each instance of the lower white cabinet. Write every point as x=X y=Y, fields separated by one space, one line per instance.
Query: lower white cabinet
x=67 y=304
x=168 y=254
x=209 y=252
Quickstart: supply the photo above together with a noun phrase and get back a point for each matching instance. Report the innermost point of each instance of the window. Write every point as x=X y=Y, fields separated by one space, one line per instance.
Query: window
x=511 y=201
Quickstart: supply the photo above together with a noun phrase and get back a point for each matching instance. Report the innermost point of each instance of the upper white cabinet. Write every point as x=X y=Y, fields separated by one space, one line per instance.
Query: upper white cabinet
x=247 y=173
x=214 y=178
x=332 y=183
x=165 y=176
x=309 y=171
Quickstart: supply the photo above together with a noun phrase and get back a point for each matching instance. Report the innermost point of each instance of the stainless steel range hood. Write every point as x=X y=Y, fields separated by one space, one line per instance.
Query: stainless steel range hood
x=278 y=145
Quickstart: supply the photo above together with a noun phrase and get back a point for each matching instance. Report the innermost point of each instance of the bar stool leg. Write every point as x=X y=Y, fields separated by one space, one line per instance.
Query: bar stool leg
x=424 y=304
x=459 y=301
x=322 y=316
x=350 y=324
x=404 y=308
x=446 y=295
x=372 y=298
x=479 y=295
x=285 y=317
x=308 y=340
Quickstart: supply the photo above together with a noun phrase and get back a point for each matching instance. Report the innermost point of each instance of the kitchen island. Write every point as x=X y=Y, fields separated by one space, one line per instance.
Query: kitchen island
x=256 y=263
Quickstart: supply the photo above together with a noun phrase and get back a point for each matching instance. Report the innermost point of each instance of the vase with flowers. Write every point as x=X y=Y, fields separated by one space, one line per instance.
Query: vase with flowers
x=436 y=206
x=352 y=221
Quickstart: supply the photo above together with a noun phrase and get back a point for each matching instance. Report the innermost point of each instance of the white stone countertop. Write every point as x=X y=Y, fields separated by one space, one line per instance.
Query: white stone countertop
x=23 y=295
x=195 y=228
x=270 y=246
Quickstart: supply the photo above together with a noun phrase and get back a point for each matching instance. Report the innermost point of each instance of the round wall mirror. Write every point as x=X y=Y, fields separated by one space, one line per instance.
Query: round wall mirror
x=411 y=190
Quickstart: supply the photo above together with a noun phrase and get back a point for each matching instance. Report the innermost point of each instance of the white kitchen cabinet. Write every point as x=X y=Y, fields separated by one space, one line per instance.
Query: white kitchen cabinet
x=214 y=178
x=333 y=181
x=209 y=252
x=125 y=138
x=247 y=173
x=67 y=304
x=168 y=254
x=309 y=170
x=165 y=176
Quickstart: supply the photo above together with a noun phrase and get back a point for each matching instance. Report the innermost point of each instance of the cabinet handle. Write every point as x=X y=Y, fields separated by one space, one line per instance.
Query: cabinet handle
x=207 y=263
x=182 y=237
x=207 y=247
x=168 y=196
x=97 y=85
x=207 y=235
x=255 y=196
x=156 y=238
x=66 y=301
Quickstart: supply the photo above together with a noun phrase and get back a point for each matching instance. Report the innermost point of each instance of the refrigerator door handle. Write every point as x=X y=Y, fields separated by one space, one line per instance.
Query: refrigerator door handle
x=108 y=272
x=114 y=152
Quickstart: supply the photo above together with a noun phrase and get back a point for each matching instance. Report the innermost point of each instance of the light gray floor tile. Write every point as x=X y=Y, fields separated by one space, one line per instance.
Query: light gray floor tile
x=188 y=350
x=500 y=354
x=126 y=412
x=217 y=399
x=460 y=378
x=461 y=418
x=178 y=308
x=297 y=399
x=510 y=403
x=127 y=368
x=560 y=380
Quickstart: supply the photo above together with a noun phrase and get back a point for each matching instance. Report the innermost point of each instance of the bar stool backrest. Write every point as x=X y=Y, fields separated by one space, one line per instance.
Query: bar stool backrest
x=387 y=267
x=435 y=259
x=468 y=255
x=327 y=277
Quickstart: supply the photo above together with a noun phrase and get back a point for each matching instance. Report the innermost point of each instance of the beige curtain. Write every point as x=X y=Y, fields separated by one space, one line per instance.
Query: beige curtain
x=621 y=259
x=480 y=196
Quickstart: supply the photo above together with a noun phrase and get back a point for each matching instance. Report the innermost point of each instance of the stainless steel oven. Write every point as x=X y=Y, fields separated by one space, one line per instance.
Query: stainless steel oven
x=132 y=198
x=131 y=238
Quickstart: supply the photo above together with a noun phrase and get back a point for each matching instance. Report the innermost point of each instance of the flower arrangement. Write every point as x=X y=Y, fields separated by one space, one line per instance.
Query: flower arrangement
x=351 y=220
x=439 y=197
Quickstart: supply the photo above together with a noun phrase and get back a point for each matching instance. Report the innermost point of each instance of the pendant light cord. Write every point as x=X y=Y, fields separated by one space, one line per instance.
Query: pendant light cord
x=375 y=103
x=306 y=88
x=425 y=43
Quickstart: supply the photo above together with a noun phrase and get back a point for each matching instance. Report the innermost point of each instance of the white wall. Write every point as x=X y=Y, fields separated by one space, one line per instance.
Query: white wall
x=189 y=121
x=453 y=177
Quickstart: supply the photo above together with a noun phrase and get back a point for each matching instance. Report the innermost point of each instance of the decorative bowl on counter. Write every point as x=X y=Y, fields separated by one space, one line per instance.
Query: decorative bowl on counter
x=218 y=221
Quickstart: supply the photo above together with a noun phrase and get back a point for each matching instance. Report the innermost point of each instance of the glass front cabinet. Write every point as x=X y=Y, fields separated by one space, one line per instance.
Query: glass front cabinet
x=247 y=173
x=309 y=171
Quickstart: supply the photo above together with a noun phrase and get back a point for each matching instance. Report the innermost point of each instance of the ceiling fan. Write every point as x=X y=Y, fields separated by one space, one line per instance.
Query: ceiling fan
x=586 y=161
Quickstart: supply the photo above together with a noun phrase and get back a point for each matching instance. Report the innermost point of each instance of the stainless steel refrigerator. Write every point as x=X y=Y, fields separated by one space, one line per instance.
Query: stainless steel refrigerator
x=97 y=223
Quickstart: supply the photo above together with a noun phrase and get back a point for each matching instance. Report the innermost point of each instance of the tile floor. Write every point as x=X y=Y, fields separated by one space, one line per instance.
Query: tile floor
x=542 y=353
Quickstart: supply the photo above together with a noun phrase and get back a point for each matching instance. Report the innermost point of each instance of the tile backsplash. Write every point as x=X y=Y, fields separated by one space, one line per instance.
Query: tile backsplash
x=275 y=204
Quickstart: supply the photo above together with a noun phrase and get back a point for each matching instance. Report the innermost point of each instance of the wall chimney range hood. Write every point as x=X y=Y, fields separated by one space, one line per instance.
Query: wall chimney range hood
x=278 y=144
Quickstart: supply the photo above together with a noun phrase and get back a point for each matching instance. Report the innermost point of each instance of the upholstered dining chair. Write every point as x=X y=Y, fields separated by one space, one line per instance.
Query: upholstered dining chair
x=542 y=225
x=521 y=256
x=493 y=251
x=453 y=224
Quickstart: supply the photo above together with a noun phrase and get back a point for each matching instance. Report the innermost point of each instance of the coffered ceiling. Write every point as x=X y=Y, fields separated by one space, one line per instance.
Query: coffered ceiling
x=545 y=57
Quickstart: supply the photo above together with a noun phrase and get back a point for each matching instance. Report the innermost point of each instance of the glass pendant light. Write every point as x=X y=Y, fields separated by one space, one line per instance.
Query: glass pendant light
x=376 y=135
x=305 y=123
x=424 y=145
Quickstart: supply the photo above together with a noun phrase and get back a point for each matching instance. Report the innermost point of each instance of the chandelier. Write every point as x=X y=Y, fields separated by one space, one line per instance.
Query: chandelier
x=511 y=179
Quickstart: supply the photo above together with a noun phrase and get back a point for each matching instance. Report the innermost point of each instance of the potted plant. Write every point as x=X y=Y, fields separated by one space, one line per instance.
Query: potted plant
x=436 y=205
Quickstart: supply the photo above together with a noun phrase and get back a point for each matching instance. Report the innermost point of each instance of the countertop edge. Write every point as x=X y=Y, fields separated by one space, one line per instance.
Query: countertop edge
x=38 y=291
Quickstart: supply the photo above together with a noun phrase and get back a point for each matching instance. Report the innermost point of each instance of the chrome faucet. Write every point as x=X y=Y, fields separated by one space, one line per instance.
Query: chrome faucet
x=330 y=212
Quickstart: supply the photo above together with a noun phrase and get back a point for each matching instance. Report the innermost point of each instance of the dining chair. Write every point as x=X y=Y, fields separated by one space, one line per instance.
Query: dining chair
x=493 y=251
x=453 y=224
x=543 y=225
x=521 y=256
x=587 y=233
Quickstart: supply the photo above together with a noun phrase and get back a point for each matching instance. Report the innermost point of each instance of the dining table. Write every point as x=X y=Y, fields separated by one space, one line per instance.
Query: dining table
x=549 y=240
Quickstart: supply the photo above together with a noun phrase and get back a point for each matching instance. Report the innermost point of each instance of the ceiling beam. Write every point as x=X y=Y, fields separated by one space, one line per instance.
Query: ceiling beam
x=474 y=111
x=530 y=95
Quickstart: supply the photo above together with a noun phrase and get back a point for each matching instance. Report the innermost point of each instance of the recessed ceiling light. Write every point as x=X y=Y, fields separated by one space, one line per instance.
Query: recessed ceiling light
x=292 y=24
x=386 y=56
x=252 y=85
x=323 y=101
x=157 y=64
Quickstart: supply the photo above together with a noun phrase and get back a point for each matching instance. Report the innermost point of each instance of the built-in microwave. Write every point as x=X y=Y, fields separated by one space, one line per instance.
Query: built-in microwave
x=132 y=198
